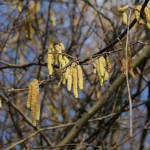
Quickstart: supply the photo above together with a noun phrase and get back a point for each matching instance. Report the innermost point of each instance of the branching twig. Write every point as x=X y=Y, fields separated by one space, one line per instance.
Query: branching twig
x=127 y=75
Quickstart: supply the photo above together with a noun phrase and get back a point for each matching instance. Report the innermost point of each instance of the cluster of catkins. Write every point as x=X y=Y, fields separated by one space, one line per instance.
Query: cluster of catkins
x=74 y=77
x=143 y=19
x=103 y=68
x=33 y=100
x=71 y=75
x=55 y=57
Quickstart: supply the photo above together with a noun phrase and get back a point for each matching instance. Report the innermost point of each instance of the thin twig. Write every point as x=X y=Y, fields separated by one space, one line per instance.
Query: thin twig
x=127 y=76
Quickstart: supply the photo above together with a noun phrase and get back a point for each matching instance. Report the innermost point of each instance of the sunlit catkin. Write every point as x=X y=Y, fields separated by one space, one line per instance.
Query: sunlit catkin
x=60 y=58
x=29 y=96
x=69 y=82
x=100 y=77
x=137 y=14
x=62 y=46
x=33 y=100
x=38 y=111
x=80 y=77
x=123 y=9
x=75 y=82
x=68 y=71
x=66 y=60
x=68 y=77
x=20 y=5
x=50 y=60
x=102 y=65
x=58 y=47
x=147 y=17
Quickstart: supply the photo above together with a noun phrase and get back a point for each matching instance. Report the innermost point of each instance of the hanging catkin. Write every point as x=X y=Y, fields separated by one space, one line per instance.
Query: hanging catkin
x=147 y=17
x=137 y=14
x=102 y=65
x=75 y=82
x=33 y=100
x=80 y=77
x=123 y=9
x=50 y=59
x=69 y=82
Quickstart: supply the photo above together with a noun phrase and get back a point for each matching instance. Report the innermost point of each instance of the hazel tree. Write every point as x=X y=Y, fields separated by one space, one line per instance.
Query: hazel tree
x=74 y=74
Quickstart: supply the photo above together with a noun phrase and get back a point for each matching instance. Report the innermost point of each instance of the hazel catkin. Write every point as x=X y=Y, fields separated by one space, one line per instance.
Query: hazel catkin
x=33 y=100
x=80 y=77
x=101 y=68
x=123 y=9
x=75 y=85
x=50 y=60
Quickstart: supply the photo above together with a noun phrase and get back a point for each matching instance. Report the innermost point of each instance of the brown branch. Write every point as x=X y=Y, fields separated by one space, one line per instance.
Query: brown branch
x=21 y=66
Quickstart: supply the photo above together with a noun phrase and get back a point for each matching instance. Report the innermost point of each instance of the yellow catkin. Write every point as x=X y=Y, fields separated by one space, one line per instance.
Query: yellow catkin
x=33 y=101
x=99 y=73
x=75 y=82
x=68 y=71
x=137 y=14
x=33 y=112
x=29 y=96
x=52 y=19
x=38 y=111
x=102 y=65
x=57 y=48
x=35 y=97
x=124 y=18
x=50 y=61
x=80 y=77
x=62 y=46
x=69 y=82
x=123 y=9
x=63 y=64
x=60 y=58
x=66 y=60
x=147 y=17
x=20 y=5
x=63 y=79
x=109 y=65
